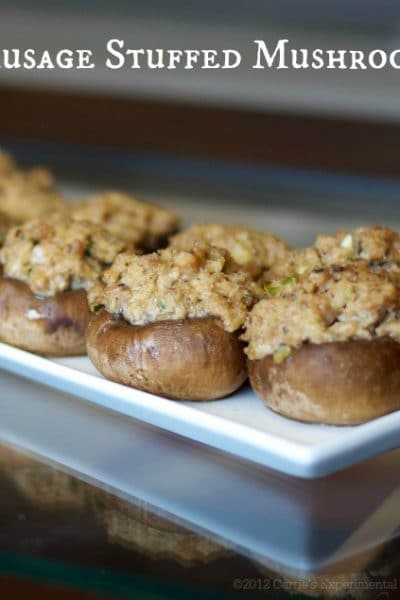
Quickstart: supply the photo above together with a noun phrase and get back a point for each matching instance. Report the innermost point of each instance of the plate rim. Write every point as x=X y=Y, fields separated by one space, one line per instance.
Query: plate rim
x=263 y=448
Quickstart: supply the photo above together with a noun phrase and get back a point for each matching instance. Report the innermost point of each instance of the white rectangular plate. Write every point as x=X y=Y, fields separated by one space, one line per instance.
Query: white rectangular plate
x=240 y=425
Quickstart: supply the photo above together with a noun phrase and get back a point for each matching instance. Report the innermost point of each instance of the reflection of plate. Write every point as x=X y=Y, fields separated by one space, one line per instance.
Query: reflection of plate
x=299 y=524
x=240 y=424
x=134 y=526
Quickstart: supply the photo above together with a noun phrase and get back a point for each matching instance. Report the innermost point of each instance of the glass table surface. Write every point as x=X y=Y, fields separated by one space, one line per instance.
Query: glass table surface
x=215 y=526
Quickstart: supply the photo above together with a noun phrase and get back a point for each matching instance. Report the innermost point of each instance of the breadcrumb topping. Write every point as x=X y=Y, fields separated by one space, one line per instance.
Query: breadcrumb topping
x=378 y=246
x=25 y=195
x=56 y=254
x=331 y=304
x=173 y=284
x=249 y=249
x=127 y=218
x=373 y=244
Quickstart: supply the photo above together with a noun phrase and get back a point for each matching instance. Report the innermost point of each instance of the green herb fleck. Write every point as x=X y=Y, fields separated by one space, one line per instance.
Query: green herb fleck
x=89 y=247
x=289 y=280
x=272 y=289
x=282 y=354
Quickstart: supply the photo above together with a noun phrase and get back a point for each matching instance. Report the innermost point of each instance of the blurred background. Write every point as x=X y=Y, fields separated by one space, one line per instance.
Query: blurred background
x=321 y=146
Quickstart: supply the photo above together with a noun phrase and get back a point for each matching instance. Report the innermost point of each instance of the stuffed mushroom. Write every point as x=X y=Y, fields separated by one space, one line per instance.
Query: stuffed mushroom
x=48 y=265
x=169 y=323
x=323 y=346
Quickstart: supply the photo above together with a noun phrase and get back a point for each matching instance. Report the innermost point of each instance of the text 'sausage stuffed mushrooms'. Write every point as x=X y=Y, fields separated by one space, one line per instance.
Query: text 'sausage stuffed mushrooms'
x=248 y=249
x=168 y=323
x=48 y=264
x=324 y=345
x=145 y=225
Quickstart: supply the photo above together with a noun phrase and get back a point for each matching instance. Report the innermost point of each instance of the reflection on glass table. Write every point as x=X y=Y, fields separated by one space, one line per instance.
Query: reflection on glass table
x=109 y=504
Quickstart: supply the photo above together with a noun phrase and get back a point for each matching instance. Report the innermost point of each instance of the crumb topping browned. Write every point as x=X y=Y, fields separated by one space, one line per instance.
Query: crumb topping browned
x=331 y=304
x=173 y=284
x=56 y=253
x=374 y=244
x=378 y=246
x=25 y=195
x=126 y=217
x=248 y=248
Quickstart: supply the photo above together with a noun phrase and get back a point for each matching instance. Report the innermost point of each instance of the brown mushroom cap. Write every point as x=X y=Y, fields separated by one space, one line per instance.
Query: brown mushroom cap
x=338 y=383
x=53 y=326
x=191 y=359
